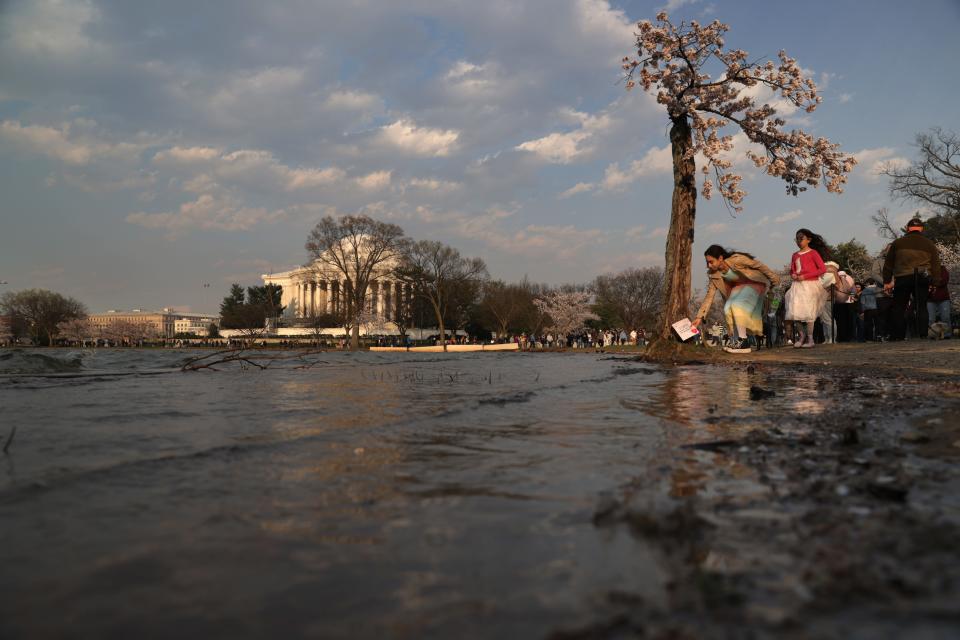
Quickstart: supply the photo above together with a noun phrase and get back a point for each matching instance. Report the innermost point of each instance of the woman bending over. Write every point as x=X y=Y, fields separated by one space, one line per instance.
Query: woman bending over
x=742 y=280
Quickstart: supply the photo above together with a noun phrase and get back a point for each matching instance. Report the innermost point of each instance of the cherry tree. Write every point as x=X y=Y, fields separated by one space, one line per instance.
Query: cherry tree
x=672 y=60
x=76 y=330
x=950 y=258
x=568 y=310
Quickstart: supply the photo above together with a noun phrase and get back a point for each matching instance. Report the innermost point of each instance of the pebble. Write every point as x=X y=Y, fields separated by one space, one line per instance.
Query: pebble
x=358 y=451
x=842 y=490
x=915 y=437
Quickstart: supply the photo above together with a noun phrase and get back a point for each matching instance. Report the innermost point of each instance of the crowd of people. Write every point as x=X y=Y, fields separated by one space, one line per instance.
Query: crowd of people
x=585 y=339
x=823 y=302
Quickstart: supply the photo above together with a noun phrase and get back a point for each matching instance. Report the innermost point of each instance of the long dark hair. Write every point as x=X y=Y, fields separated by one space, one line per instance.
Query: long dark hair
x=716 y=251
x=817 y=243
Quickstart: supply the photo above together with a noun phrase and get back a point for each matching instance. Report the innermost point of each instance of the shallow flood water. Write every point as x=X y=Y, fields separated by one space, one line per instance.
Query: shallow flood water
x=368 y=495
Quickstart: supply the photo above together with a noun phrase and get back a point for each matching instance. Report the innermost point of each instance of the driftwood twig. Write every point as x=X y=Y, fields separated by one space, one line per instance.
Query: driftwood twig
x=6 y=446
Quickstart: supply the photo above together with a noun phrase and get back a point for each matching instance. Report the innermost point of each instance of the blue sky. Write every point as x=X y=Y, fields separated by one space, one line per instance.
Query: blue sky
x=147 y=149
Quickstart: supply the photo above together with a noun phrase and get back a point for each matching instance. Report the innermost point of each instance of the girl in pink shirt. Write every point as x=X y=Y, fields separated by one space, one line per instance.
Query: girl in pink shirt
x=805 y=296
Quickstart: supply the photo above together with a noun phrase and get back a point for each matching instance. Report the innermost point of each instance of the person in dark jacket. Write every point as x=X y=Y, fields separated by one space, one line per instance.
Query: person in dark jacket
x=912 y=265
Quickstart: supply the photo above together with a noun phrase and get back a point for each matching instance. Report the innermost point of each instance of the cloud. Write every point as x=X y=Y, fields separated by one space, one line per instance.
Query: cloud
x=430 y=185
x=564 y=148
x=406 y=136
x=561 y=241
x=375 y=181
x=352 y=100
x=656 y=161
x=871 y=163
x=635 y=233
x=844 y=98
x=673 y=5
x=76 y=143
x=182 y=155
x=659 y=232
x=631 y=261
x=52 y=27
x=580 y=187
x=716 y=227
x=789 y=215
x=252 y=167
x=207 y=212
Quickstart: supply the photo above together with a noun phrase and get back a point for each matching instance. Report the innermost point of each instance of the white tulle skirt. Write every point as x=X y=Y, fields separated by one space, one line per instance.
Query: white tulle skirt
x=803 y=300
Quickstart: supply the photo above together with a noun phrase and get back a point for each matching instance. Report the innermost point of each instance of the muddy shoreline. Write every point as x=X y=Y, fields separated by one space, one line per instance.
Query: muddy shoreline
x=838 y=522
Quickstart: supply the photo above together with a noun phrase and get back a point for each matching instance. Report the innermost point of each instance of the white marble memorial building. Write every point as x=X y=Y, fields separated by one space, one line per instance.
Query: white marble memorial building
x=316 y=289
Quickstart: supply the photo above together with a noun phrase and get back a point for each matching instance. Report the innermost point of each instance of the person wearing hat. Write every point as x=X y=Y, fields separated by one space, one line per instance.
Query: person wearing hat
x=911 y=267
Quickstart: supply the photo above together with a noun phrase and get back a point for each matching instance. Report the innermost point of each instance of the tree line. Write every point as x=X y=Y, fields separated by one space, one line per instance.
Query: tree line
x=448 y=291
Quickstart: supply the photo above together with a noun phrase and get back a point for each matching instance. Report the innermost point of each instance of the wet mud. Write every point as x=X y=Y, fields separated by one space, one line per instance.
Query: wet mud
x=838 y=518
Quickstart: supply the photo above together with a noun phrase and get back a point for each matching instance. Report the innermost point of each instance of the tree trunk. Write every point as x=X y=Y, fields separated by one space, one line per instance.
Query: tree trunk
x=443 y=331
x=683 y=211
x=355 y=336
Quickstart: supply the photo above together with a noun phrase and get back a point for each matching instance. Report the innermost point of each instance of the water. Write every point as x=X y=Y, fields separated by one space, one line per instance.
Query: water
x=366 y=495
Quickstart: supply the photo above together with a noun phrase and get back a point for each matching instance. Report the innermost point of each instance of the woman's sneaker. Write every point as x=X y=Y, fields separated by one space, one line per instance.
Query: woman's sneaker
x=740 y=346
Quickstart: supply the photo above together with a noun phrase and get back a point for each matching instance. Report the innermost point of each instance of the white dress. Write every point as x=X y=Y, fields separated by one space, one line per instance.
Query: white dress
x=803 y=300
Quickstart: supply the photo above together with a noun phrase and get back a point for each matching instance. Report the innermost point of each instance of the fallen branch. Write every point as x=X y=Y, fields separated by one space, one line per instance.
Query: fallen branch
x=244 y=359
x=6 y=446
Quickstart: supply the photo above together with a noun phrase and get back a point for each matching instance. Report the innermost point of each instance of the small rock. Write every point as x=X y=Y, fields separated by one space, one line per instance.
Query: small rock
x=358 y=451
x=850 y=436
x=751 y=369
x=859 y=511
x=957 y=444
x=759 y=393
x=888 y=491
x=842 y=490
x=935 y=421
x=915 y=437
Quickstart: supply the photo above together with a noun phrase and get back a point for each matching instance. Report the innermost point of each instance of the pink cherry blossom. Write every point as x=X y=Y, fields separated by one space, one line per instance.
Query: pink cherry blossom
x=671 y=61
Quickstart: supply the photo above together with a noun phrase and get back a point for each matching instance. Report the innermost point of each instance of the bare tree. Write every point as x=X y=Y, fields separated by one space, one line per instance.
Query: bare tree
x=354 y=246
x=885 y=228
x=436 y=273
x=41 y=311
x=502 y=304
x=633 y=295
x=673 y=59
x=934 y=178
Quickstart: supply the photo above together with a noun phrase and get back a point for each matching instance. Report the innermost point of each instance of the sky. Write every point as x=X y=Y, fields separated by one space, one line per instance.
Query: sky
x=151 y=154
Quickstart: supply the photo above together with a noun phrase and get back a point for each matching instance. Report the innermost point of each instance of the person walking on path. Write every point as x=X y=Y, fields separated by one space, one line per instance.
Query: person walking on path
x=868 y=305
x=938 y=302
x=742 y=280
x=805 y=297
x=844 y=298
x=912 y=265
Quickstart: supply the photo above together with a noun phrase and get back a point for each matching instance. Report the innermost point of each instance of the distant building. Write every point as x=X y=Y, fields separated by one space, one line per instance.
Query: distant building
x=198 y=325
x=315 y=290
x=162 y=323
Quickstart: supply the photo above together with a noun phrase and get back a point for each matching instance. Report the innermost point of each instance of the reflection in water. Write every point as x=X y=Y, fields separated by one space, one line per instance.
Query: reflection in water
x=375 y=495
